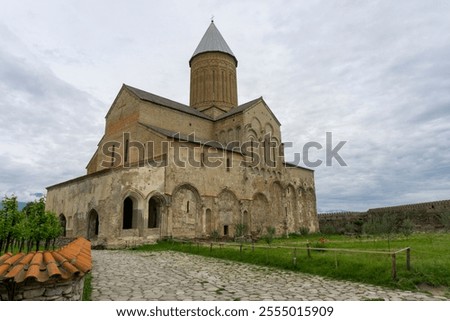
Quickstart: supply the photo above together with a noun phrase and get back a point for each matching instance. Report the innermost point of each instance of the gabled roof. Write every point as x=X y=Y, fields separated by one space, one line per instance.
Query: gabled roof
x=292 y=165
x=239 y=108
x=144 y=95
x=70 y=261
x=213 y=41
x=247 y=105
x=188 y=138
x=141 y=94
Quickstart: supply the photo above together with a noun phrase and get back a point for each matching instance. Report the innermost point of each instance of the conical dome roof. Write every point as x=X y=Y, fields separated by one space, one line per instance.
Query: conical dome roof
x=213 y=41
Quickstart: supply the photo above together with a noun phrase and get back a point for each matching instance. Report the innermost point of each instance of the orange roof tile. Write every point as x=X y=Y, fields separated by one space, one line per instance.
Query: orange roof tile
x=52 y=268
x=69 y=261
x=5 y=256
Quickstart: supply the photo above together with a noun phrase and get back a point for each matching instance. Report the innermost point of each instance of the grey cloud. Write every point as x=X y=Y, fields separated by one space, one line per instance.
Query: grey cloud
x=374 y=73
x=46 y=125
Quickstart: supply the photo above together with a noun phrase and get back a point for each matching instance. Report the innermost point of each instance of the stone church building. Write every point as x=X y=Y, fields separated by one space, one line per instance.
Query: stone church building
x=165 y=169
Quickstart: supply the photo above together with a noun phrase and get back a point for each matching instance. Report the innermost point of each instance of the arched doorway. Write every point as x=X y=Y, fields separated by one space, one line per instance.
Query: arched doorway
x=154 y=212
x=185 y=207
x=260 y=213
x=229 y=214
x=63 y=223
x=127 y=214
x=291 y=203
x=93 y=225
x=277 y=215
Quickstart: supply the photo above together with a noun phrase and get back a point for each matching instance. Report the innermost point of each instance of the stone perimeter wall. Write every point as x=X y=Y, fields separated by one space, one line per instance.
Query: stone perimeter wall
x=424 y=216
x=70 y=290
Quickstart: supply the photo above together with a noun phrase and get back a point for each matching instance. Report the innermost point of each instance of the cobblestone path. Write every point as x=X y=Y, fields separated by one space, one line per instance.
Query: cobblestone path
x=173 y=276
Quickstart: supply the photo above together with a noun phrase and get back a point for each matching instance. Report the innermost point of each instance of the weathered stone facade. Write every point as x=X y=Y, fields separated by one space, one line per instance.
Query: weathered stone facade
x=164 y=169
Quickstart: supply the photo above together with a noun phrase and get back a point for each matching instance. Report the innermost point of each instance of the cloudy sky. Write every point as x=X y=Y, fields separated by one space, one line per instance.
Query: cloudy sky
x=374 y=74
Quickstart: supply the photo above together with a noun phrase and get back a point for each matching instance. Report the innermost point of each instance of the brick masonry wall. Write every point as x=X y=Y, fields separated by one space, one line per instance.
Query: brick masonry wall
x=70 y=290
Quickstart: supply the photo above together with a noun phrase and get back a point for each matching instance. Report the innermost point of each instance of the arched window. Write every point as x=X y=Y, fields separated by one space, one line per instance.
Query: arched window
x=62 y=222
x=127 y=213
x=154 y=212
x=126 y=151
x=230 y=136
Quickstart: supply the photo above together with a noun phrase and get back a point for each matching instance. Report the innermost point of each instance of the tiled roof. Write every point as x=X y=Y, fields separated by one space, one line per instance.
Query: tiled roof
x=239 y=108
x=292 y=165
x=65 y=263
x=144 y=95
x=213 y=41
x=189 y=138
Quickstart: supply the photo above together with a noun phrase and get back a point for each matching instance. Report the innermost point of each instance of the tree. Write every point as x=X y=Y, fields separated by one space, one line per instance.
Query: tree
x=53 y=229
x=19 y=230
x=407 y=227
x=31 y=226
x=36 y=218
x=8 y=218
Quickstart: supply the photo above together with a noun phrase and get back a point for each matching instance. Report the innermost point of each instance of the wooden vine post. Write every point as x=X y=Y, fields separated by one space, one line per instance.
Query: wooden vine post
x=408 y=259
x=394 y=266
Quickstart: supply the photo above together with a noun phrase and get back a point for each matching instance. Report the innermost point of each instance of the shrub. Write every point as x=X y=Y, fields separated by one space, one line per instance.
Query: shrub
x=215 y=235
x=380 y=224
x=407 y=227
x=328 y=229
x=445 y=220
x=240 y=230
x=304 y=230
x=349 y=228
x=270 y=233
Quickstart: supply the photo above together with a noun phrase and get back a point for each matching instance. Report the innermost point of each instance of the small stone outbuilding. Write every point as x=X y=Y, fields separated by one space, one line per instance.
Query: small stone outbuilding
x=46 y=275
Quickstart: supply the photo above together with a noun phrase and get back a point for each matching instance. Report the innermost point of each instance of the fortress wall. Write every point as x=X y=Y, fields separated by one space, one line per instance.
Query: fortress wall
x=424 y=216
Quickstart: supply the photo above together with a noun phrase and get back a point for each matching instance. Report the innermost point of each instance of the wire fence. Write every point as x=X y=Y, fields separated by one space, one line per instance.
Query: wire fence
x=295 y=251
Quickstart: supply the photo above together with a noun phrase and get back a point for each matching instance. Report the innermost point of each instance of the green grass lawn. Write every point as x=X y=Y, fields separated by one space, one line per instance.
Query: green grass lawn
x=430 y=257
x=87 y=289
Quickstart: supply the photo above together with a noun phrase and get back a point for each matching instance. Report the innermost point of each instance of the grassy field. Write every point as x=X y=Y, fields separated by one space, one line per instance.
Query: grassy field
x=87 y=289
x=430 y=257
